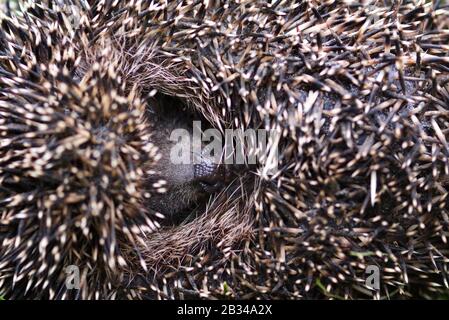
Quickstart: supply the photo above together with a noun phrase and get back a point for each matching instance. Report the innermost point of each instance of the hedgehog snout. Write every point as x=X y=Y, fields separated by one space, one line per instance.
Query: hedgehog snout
x=210 y=176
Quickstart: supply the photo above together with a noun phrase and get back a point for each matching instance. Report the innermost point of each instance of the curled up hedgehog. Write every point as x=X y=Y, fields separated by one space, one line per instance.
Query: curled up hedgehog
x=357 y=93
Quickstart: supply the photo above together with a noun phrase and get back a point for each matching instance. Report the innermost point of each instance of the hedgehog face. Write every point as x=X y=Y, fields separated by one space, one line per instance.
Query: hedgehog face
x=187 y=185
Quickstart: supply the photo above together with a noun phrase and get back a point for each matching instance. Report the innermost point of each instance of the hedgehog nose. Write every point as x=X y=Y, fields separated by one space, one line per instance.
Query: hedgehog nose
x=210 y=176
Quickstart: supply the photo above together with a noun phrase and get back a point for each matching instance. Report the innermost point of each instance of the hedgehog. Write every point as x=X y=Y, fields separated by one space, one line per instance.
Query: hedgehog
x=357 y=93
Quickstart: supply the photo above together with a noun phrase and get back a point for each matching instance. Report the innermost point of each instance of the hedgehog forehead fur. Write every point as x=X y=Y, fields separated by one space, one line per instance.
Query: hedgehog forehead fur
x=358 y=93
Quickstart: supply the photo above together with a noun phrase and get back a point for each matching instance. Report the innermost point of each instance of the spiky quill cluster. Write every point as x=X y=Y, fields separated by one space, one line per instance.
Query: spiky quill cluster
x=359 y=93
